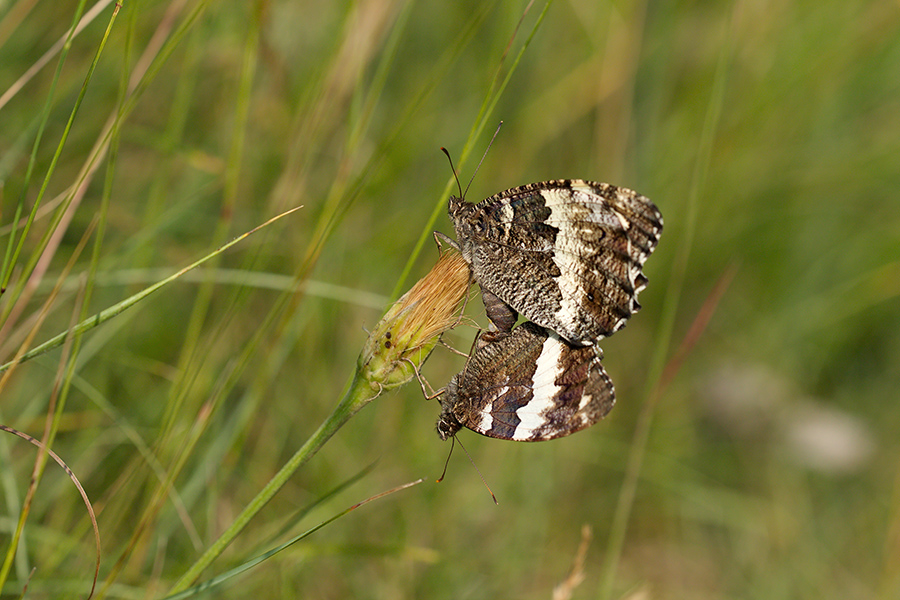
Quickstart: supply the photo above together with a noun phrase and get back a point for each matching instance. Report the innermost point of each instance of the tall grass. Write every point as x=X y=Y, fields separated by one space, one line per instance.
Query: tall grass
x=754 y=456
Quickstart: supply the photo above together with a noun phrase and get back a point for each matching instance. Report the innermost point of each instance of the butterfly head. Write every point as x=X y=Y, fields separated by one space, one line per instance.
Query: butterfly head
x=448 y=424
x=459 y=210
x=469 y=222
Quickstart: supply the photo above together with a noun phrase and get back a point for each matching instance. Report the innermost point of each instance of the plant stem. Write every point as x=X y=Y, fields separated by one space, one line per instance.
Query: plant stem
x=359 y=394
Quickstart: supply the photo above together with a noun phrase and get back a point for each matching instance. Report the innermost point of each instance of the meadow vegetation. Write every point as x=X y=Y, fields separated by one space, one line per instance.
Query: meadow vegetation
x=754 y=450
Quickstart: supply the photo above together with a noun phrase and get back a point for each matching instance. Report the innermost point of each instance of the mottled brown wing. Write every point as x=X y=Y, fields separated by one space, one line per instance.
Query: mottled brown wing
x=529 y=385
x=567 y=254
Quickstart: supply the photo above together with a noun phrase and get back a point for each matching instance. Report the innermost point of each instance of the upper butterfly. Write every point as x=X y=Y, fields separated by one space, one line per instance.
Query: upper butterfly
x=566 y=253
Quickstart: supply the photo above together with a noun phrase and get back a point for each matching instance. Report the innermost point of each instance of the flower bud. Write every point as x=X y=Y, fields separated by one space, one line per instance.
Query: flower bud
x=411 y=327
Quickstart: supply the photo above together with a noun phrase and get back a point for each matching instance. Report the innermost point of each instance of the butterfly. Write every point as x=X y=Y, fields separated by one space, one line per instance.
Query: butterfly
x=567 y=254
x=526 y=385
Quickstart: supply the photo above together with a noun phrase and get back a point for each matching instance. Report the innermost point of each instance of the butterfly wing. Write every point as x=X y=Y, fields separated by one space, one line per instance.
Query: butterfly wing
x=567 y=254
x=529 y=385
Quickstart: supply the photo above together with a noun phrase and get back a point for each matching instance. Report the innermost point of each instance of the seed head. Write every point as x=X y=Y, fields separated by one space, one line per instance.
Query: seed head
x=411 y=327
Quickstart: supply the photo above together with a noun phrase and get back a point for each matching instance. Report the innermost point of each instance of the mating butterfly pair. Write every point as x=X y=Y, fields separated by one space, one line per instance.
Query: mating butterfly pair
x=567 y=255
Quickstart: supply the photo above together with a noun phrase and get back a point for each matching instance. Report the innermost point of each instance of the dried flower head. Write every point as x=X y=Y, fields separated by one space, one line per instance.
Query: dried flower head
x=411 y=327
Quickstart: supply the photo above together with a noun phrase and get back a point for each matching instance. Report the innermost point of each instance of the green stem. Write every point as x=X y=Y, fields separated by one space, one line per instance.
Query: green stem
x=358 y=395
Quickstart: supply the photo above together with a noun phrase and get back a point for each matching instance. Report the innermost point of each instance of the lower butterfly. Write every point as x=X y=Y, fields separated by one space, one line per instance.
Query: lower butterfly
x=527 y=385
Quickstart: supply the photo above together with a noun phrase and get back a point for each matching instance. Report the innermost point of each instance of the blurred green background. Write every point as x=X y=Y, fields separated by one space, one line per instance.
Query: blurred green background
x=768 y=133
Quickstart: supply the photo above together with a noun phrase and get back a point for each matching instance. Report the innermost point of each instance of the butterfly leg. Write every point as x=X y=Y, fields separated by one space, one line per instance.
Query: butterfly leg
x=429 y=393
x=440 y=237
x=451 y=348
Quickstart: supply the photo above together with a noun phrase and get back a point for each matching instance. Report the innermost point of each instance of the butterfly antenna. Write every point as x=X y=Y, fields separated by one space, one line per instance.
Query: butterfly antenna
x=477 y=470
x=449 y=454
x=455 y=176
x=494 y=137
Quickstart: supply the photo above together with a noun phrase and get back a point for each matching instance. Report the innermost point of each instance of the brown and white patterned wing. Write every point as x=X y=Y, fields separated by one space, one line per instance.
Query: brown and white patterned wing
x=567 y=254
x=529 y=385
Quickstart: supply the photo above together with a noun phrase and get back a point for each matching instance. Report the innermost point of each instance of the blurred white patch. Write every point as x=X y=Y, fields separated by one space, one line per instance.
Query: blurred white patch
x=757 y=401
x=829 y=440
x=743 y=399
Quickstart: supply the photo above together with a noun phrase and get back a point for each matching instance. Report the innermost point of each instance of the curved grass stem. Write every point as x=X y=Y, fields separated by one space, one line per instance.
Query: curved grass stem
x=359 y=393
